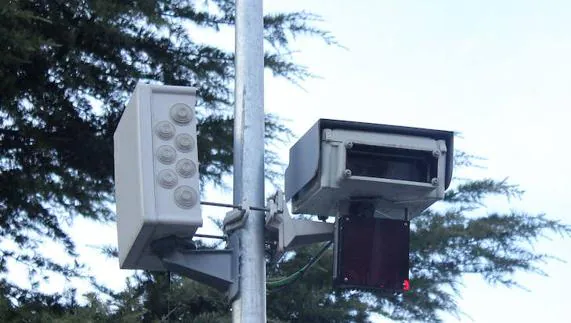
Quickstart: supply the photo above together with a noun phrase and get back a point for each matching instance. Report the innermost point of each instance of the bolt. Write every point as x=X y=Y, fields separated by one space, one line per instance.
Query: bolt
x=434 y=181
x=349 y=145
x=436 y=153
x=327 y=134
x=345 y=279
x=347 y=173
x=346 y=219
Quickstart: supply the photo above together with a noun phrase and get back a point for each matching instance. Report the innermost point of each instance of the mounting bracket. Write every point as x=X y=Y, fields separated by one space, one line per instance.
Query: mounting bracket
x=294 y=232
x=215 y=268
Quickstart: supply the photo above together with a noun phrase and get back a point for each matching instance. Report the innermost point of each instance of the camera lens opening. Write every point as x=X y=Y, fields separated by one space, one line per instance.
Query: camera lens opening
x=392 y=163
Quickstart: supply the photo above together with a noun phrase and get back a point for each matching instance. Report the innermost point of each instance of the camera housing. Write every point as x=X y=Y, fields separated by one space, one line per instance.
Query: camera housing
x=400 y=170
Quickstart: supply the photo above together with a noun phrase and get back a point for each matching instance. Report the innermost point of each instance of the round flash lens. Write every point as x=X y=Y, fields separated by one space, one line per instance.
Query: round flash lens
x=184 y=142
x=165 y=130
x=181 y=113
x=186 y=168
x=185 y=197
x=167 y=178
x=166 y=154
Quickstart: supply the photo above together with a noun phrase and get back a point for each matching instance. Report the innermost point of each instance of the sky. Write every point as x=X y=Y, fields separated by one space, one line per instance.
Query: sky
x=496 y=72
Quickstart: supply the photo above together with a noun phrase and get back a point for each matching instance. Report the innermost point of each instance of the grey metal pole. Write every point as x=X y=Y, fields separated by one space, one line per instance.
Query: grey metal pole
x=250 y=304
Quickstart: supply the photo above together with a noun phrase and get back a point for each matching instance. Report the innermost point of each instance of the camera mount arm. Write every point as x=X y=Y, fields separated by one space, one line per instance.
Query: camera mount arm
x=293 y=233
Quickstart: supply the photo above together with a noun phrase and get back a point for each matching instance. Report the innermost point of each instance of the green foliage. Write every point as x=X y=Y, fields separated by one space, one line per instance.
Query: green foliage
x=445 y=245
x=66 y=70
x=311 y=299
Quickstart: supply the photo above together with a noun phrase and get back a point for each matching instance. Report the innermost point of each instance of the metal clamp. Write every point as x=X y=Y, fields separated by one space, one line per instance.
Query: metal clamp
x=234 y=220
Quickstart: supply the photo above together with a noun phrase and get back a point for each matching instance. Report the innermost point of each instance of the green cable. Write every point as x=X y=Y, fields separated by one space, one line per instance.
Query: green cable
x=295 y=276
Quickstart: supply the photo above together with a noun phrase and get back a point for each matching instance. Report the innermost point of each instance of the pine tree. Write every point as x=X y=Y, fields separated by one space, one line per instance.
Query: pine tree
x=66 y=69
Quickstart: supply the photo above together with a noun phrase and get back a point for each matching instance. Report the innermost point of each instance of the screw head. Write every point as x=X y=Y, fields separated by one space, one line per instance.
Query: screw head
x=349 y=145
x=436 y=153
x=347 y=173
x=434 y=181
x=345 y=279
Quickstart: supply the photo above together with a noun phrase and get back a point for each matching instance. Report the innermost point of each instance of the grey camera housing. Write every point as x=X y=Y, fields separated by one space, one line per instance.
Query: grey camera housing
x=401 y=170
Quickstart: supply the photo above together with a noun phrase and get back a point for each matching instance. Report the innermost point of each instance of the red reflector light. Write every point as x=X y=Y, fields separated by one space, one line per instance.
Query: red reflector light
x=406 y=285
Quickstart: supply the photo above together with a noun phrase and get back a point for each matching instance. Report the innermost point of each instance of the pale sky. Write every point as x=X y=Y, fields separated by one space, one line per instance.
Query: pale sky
x=498 y=72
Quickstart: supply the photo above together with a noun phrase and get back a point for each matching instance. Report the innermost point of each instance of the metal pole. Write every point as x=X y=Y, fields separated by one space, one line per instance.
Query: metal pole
x=250 y=304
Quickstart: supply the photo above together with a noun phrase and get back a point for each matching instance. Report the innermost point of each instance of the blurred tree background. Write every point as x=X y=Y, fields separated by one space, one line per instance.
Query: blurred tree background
x=66 y=70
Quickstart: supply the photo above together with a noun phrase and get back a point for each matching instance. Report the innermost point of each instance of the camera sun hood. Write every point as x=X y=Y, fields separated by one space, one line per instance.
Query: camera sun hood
x=305 y=172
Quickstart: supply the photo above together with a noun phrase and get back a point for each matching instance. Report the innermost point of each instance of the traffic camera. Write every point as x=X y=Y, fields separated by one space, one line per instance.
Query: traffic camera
x=156 y=172
x=373 y=178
